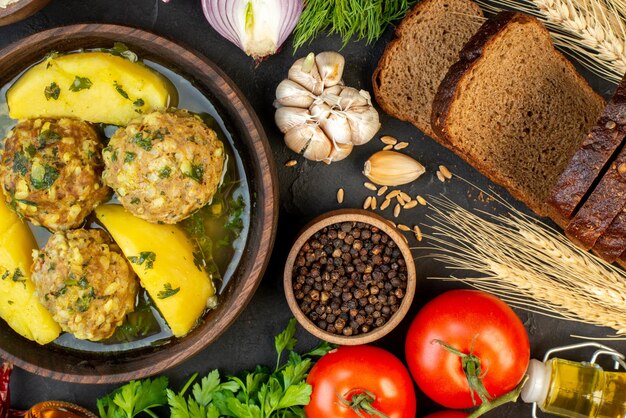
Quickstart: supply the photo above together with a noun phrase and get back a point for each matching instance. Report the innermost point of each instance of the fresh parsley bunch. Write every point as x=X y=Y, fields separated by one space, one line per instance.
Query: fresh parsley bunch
x=262 y=393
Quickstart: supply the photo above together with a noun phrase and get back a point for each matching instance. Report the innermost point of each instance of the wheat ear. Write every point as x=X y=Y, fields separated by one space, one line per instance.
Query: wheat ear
x=528 y=264
x=591 y=31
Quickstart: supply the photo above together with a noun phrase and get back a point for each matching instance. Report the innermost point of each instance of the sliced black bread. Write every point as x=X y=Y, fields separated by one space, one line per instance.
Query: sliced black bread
x=590 y=159
x=601 y=207
x=427 y=43
x=515 y=108
x=612 y=244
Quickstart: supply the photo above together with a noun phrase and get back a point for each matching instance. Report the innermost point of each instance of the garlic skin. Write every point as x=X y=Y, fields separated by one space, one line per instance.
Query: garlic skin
x=391 y=168
x=322 y=118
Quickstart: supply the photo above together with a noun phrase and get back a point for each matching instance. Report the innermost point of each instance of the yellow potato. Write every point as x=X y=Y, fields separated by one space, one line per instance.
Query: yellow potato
x=92 y=86
x=163 y=258
x=19 y=305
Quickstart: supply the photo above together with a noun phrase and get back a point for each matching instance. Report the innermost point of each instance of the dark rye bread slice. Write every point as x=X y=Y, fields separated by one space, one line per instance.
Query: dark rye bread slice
x=590 y=159
x=612 y=244
x=515 y=108
x=427 y=43
x=601 y=208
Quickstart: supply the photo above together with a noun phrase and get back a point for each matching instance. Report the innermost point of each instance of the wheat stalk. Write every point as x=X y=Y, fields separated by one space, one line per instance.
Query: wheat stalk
x=528 y=264
x=591 y=31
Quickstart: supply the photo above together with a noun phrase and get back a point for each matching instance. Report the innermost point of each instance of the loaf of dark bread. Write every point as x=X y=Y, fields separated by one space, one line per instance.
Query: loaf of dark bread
x=515 y=108
x=427 y=43
x=590 y=159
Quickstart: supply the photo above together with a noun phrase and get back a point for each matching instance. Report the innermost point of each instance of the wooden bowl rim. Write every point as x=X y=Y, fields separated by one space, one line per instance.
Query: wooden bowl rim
x=265 y=210
x=25 y=8
x=350 y=215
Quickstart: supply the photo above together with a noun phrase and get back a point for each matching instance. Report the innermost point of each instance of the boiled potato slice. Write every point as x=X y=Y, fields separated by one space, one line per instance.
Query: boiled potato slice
x=92 y=86
x=163 y=258
x=19 y=305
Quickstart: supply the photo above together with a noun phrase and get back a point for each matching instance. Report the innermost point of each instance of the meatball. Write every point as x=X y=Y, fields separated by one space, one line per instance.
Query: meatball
x=85 y=282
x=164 y=165
x=50 y=172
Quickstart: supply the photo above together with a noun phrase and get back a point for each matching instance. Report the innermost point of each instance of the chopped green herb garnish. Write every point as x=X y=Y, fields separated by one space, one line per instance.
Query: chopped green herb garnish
x=143 y=142
x=83 y=282
x=50 y=175
x=158 y=135
x=165 y=172
x=83 y=302
x=30 y=150
x=122 y=50
x=135 y=201
x=114 y=155
x=47 y=137
x=59 y=292
x=138 y=103
x=18 y=276
x=10 y=302
x=26 y=202
x=129 y=156
x=145 y=256
x=196 y=173
x=235 y=219
x=167 y=291
x=52 y=91
x=20 y=163
x=80 y=83
x=120 y=90
x=5 y=275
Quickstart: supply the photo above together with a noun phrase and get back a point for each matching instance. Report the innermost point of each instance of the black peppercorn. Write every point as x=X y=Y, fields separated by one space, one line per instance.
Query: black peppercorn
x=349 y=278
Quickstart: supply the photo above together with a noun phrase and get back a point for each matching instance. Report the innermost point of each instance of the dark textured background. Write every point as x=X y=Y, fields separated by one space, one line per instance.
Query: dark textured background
x=305 y=191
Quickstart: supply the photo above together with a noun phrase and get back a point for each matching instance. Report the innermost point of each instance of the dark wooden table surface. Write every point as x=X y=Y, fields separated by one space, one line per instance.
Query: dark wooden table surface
x=306 y=190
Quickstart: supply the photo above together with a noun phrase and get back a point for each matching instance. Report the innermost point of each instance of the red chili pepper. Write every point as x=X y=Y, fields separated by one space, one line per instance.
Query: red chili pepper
x=5 y=399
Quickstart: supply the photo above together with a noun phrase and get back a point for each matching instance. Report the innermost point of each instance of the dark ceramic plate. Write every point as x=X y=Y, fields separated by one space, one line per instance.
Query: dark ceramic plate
x=251 y=146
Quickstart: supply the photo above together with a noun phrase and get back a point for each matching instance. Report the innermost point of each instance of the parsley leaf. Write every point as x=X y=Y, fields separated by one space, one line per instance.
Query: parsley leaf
x=138 y=103
x=129 y=156
x=147 y=257
x=52 y=91
x=144 y=142
x=167 y=291
x=120 y=90
x=45 y=179
x=20 y=163
x=133 y=398
x=80 y=83
x=286 y=340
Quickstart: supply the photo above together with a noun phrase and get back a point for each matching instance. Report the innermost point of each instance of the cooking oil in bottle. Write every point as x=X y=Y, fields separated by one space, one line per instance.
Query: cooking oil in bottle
x=578 y=390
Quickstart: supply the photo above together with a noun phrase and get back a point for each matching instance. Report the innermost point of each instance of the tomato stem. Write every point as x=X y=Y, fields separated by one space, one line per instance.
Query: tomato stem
x=360 y=401
x=472 y=369
x=499 y=401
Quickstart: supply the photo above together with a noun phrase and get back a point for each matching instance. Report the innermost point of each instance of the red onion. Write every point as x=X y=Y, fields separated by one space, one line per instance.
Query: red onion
x=258 y=27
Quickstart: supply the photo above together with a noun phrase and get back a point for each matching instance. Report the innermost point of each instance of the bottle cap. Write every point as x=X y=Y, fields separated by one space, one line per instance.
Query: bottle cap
x=58 y=409
x=536 y=388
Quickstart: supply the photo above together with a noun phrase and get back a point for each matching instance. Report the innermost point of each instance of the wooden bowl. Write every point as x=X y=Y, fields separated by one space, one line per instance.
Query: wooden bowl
x=20 y=10
x=253 y=147
x=350 y=215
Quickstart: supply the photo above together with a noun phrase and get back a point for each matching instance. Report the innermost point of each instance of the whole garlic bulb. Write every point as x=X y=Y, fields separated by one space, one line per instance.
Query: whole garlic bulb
x=322 y=118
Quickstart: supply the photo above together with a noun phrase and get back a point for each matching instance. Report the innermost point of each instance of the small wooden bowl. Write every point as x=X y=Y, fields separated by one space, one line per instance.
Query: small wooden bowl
x=20 y=10
x=350 y=215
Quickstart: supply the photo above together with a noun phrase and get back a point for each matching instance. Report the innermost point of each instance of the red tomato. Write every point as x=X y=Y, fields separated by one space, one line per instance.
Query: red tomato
x=448 y=414
x=348 y=372
x=468 y=321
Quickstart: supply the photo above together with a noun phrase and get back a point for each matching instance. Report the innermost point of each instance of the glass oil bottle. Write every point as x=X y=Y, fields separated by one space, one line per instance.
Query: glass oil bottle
x=578 y=390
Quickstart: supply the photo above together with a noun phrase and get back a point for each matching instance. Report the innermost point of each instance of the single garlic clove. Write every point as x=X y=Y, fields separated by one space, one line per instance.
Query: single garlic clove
x=330 y=65
x=391 y=168
x=310 y=141
x=304 y=72
x=289 y=117
x=339 y=152
x=351 y=97
x=364 y=123
x=290 y=93
x=337 y=128
x=319 y=111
